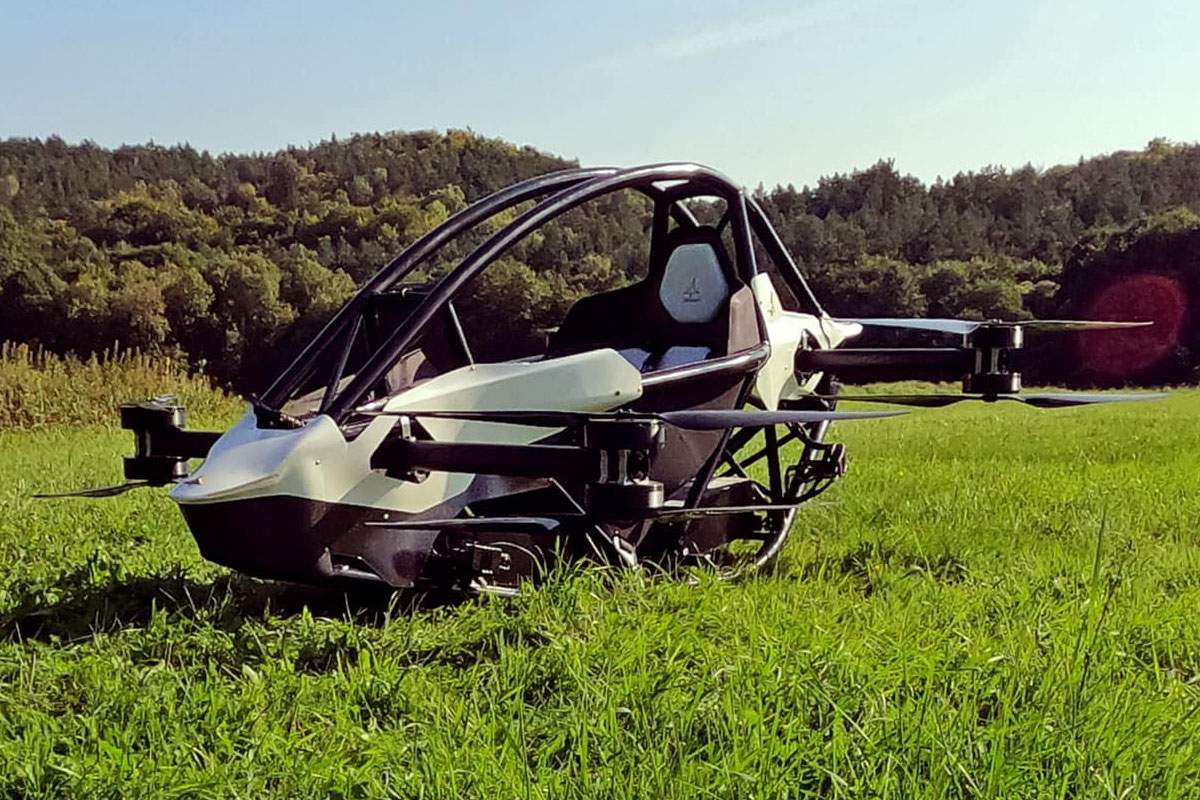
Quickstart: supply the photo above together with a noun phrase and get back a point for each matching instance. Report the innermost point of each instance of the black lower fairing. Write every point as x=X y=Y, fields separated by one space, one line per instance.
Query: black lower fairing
x=286 y=537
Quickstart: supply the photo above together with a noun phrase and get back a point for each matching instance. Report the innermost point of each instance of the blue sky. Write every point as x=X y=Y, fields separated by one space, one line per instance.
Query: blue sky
x=774 y=92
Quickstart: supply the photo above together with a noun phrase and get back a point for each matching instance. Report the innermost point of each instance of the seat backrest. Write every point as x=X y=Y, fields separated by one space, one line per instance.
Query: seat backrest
x=693 y=288
x=692 y=284
x=678 y=314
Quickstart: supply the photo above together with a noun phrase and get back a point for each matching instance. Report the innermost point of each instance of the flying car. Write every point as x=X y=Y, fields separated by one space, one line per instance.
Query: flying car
x=389 y=453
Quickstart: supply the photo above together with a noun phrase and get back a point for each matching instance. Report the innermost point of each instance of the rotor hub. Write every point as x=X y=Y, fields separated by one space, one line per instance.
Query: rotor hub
x=993 y=370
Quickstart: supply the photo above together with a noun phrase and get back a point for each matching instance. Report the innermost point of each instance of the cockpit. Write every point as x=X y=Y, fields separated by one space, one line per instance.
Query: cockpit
x=689 y=311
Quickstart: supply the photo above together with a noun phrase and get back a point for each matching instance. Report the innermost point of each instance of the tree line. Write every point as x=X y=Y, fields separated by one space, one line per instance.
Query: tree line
x=231 y=261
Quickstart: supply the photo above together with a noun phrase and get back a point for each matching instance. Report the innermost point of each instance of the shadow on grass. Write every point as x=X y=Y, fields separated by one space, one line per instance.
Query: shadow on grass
x=225 y=603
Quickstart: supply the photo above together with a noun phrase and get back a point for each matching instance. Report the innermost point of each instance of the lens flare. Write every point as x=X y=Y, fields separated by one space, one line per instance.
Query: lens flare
x=1114 y=355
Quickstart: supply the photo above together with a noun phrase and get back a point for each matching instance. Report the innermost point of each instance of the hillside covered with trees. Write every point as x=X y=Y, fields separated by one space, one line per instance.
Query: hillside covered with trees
x=229 y=261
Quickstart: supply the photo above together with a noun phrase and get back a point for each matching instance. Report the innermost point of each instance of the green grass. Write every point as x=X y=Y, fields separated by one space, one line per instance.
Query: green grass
x=999 y=603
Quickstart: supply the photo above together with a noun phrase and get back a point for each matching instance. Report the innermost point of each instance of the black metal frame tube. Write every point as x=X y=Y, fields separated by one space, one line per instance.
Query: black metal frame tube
x=775 y=248
x=335 y=375
x=523 y=460
x=698 y=181
x=415 y=254
x=947 y=358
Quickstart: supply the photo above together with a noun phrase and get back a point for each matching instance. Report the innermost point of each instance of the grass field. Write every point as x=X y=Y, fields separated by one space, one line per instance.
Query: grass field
x=999 y=603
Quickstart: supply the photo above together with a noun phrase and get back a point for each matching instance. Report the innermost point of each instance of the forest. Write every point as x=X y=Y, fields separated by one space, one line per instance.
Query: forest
x=228 y=262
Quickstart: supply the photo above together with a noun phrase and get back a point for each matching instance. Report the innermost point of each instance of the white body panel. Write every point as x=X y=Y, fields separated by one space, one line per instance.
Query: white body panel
x=316 y=462
x=788 y=331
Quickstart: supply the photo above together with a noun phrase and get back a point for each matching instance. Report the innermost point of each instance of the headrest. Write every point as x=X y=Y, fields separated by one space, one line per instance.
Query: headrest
x=695 y=283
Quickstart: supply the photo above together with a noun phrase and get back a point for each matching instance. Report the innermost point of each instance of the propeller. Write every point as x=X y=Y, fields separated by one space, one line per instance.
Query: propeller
x=102 y=491
x=701 y=420
x=965 y=327
x=1037 y=399
x=540 y=524
x=705 y=420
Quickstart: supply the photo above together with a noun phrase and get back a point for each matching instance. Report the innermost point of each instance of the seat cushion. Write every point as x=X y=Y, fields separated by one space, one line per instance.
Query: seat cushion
x=678 y=356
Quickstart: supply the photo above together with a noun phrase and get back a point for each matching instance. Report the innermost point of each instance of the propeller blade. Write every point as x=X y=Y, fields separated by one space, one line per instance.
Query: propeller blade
x=963 y=327
x=1036 y=400
x=671 y=513
x=100 y=492
x=540 y=419
x=715 y=420
x=1069 y=399
x=468 y=524
x=1077 y=325
x=958 y=326
x=701 y=420
x=917 y=400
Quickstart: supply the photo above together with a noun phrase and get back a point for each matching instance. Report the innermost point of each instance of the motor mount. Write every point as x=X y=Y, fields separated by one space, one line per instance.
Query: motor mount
x=994 y=369
x=988 y=362
x=612 y=461
x=626 y=449
x=161 y=446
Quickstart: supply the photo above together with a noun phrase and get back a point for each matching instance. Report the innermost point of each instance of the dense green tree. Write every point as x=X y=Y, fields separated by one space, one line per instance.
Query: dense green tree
x=232 y=261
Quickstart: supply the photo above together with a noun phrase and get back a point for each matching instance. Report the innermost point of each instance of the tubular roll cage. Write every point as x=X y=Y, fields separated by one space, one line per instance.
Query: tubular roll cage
x=555 y=193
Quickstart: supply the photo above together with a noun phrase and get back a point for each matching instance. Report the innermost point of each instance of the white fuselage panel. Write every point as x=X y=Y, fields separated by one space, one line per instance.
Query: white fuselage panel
x=788 y=331
x=316 y=462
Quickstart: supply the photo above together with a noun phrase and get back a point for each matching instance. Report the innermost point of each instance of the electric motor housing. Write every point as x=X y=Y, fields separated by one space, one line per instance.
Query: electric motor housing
x=155 y=425
x=626 y=448
x=994 y=369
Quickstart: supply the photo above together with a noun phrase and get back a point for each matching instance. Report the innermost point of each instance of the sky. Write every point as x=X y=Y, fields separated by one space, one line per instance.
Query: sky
x=769 y=92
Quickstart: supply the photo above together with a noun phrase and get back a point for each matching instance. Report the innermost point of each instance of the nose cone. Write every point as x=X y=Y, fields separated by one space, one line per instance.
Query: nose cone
x=257 y=502
x=251 y=462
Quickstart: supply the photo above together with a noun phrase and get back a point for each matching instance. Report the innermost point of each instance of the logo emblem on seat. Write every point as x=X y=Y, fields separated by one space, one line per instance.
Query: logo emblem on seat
x=692 y=293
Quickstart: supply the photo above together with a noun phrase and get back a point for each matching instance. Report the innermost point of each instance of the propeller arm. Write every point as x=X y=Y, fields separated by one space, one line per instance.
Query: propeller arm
x=402 y=457
x=162 y=448
x=613 y=460
x=949 y=359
